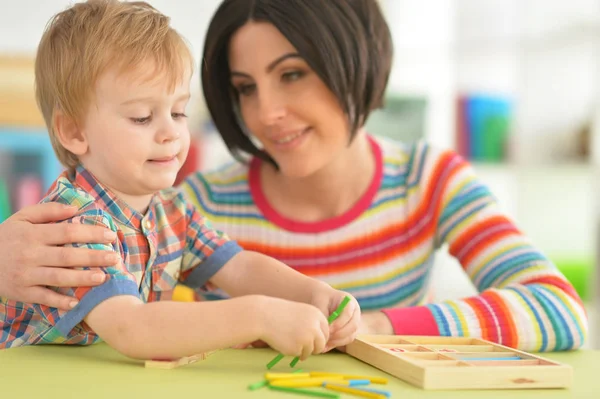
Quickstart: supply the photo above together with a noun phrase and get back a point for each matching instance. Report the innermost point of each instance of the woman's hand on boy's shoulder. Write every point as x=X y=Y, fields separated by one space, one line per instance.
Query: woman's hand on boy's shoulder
x=32 y=256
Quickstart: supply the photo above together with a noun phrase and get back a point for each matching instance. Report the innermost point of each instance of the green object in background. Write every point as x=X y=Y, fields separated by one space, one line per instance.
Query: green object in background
x=487 y=123
x=5 y=210
x=495 y=130
x=579 y=271
x=402 y=118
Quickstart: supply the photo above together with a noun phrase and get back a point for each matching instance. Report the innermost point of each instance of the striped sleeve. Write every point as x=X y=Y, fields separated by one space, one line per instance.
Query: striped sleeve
x=524 y=301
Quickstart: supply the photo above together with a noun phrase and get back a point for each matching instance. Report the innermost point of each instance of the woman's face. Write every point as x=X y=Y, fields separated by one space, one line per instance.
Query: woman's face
x=283 y=102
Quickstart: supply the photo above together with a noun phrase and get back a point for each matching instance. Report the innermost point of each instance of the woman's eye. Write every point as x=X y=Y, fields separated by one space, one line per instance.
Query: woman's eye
x=246 y=90
x=292 y=76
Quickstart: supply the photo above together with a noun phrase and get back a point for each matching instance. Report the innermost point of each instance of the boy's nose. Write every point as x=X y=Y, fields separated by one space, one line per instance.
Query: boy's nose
x=168 y=132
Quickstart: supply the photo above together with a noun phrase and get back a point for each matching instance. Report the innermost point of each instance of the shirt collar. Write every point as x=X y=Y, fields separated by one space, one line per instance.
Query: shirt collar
x=103 y=196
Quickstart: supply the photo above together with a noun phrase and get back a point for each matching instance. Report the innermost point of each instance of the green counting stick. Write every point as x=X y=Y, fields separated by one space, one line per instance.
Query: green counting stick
x=258 y=385
x=336 y=313
x=294 y=361
x=274 y=361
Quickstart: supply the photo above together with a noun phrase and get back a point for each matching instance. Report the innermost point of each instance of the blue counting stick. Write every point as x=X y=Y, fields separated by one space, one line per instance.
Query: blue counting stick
x=356 y=383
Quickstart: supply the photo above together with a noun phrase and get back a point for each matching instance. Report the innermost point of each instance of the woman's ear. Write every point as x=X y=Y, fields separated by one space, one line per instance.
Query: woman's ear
x=69 y=134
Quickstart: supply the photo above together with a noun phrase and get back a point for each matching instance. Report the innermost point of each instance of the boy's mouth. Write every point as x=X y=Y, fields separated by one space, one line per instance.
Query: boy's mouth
x=163 y=160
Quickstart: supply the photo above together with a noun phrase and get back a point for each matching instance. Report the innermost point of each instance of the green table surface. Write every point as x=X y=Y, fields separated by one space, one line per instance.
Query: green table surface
x=98 y=371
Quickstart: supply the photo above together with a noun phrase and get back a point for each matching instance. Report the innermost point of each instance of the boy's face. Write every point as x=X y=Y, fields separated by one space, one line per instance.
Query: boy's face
x=137 y=133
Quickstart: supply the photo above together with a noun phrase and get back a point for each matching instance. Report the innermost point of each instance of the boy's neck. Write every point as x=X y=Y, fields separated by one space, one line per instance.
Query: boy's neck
x=138 y=203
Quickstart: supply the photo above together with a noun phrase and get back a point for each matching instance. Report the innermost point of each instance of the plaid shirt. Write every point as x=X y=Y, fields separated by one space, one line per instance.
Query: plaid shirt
x=171 y=243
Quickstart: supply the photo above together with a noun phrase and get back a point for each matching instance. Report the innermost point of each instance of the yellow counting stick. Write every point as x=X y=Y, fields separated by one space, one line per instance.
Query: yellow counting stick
x=277 y=376
x=303 y=382
x=356 y=392
x=374 y=380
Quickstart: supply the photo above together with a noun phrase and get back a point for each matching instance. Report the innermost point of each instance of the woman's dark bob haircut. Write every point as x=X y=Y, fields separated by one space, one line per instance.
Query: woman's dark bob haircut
x=346 y=42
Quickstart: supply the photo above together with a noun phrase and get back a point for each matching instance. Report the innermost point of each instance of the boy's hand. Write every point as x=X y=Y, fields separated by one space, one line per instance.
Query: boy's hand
x=294 y=328
x=345 y=328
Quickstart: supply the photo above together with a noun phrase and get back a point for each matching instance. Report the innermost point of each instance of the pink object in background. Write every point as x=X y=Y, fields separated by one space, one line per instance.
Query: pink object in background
x=29 y=191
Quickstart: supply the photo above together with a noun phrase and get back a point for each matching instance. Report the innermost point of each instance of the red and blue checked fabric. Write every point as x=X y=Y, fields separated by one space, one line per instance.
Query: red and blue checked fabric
x=171 y=243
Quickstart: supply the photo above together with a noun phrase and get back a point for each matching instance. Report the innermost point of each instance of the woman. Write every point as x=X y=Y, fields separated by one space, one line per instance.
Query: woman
x=289 y=85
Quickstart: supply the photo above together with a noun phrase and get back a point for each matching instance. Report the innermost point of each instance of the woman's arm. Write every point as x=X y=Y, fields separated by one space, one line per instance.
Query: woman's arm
x=524 y=301
x=31 y=257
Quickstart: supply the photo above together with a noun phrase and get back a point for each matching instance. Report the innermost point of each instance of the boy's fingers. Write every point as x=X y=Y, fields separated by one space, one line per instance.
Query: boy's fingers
x=307 y=350
x=343 y=318
x=320 y=344
x=242 y=346
x=344 y=334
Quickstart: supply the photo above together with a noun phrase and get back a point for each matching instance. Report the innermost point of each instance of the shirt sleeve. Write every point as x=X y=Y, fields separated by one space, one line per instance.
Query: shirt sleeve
x=207 y=250
x=118 y=281
x=524 y=301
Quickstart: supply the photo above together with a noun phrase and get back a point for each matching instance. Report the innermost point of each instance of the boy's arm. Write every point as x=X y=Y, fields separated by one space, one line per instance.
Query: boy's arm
x=166 y=330
x=253 y=273
x=67 y=326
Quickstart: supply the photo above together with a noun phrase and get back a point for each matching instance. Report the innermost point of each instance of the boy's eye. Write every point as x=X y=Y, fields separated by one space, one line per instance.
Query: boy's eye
x=178 y=115
x=141 y=121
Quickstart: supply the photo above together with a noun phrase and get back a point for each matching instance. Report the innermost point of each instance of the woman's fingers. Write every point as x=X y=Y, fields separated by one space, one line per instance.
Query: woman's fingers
x=73 y=233
x=45 y=296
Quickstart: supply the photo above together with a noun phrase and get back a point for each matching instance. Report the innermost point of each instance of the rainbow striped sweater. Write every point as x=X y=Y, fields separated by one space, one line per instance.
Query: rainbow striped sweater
x=382 y=250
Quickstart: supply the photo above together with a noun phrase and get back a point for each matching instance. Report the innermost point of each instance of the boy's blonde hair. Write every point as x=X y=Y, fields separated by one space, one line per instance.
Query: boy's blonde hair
x=82 y=42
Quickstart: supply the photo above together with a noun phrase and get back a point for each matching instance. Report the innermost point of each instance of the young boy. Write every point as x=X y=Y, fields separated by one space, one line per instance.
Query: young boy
x=112 y=80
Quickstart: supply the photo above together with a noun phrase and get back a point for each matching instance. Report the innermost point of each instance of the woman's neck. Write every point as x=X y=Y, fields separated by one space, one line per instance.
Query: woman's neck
x=328 y=193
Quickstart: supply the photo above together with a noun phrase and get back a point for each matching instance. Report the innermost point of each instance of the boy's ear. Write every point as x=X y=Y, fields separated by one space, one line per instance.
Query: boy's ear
x=69 y=134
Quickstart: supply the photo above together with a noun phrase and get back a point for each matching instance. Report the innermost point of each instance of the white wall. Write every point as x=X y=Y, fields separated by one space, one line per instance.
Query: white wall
x=423 y=32
x=22 y=23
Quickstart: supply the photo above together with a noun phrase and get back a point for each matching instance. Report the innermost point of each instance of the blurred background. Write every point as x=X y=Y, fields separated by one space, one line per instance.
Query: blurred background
x=512 y=85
